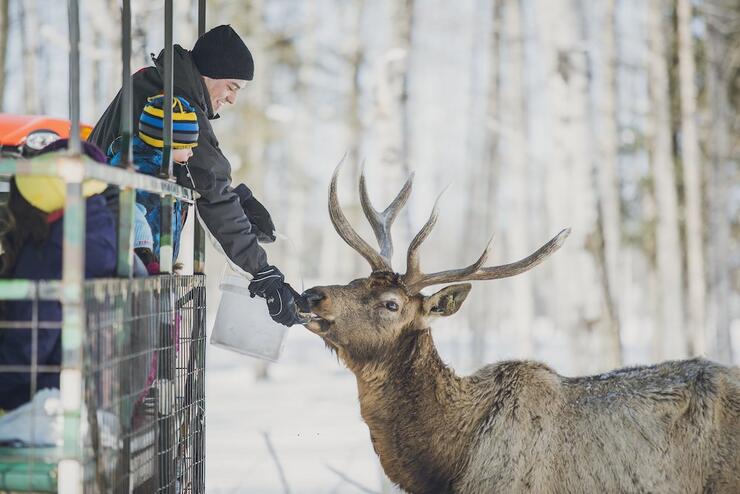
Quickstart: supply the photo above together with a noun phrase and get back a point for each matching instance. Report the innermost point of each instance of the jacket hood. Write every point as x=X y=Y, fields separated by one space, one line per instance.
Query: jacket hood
x=187 y=80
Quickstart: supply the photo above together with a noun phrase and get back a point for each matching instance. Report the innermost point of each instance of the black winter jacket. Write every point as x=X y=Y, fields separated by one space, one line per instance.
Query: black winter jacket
x=218 y=205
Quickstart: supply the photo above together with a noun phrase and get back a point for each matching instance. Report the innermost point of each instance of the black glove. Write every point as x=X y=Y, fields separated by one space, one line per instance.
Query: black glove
x=257 y=214
x=269 y=283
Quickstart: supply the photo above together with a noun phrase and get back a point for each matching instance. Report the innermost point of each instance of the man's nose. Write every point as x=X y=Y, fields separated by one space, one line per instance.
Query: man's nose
x=313 y=296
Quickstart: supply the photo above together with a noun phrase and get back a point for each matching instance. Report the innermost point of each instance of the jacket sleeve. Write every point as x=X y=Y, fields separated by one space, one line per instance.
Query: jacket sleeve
x=219 y=206
x=108 y=126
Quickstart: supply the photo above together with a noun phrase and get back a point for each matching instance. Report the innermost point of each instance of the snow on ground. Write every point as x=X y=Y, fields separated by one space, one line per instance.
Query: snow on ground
x=307 y=407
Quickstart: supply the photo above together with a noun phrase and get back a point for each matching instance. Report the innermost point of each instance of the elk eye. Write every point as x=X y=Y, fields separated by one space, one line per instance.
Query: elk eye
x=391 y=306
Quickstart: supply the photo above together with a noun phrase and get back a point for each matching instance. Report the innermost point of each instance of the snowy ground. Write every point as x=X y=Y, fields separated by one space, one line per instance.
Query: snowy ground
x=307 y=407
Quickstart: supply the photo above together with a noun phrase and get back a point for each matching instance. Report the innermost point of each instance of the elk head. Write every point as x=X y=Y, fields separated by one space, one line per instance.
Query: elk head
x=365 y=320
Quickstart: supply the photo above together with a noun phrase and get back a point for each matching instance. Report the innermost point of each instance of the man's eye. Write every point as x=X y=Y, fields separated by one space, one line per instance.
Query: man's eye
x=392 y=306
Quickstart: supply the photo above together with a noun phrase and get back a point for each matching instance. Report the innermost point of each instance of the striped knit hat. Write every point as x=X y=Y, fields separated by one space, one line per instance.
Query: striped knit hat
x=184 y=123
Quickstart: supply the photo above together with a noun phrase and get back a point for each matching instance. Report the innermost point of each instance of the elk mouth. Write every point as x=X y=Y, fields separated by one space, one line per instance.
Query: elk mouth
x=316 y=323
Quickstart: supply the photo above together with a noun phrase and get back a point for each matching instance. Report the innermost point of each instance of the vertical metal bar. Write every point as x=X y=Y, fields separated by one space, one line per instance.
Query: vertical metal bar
x=73 y=327
x=126 y=210
x=199 y=242
x=74 y=76
x=201 y=17
x=127 y=127
x=127 y=198
x=165 y=234
x=166 y=171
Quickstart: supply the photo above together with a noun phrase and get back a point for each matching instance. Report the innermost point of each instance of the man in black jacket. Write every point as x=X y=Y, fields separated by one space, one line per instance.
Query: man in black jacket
x=210 y=76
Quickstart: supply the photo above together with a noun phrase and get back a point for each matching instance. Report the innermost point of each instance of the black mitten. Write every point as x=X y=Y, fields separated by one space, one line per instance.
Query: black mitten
x=269 y=283
x=257 y=214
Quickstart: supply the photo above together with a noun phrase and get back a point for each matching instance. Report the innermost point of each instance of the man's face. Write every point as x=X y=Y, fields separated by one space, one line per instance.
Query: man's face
x=223 y=91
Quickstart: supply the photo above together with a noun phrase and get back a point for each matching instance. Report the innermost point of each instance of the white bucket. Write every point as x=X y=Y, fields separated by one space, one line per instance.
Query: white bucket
x=243 y=324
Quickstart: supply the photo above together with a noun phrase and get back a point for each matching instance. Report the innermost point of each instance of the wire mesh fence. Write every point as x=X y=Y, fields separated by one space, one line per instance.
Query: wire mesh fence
x=142 y=426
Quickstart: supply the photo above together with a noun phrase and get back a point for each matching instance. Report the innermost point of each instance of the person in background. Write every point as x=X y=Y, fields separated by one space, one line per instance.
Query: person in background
x=211 y=76
x=32 y=249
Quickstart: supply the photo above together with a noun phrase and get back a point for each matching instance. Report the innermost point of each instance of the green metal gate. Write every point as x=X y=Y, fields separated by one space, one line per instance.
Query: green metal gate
x=132 y=388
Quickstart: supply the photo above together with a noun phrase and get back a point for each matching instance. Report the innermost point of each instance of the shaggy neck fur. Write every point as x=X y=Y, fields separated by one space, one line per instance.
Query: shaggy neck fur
x=409 y=400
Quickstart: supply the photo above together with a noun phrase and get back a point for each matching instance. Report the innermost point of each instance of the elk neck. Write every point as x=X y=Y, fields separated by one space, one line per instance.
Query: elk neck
x=419 y=414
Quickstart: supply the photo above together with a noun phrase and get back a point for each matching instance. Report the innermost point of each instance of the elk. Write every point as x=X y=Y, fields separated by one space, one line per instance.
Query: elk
x=514 y=426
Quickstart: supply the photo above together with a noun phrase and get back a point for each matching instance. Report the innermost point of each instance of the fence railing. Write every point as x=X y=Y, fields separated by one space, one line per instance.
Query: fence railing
x=131 y=404
x=129 y=413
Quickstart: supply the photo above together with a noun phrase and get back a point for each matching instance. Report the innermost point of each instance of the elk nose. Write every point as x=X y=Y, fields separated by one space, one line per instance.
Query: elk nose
x=313 y=296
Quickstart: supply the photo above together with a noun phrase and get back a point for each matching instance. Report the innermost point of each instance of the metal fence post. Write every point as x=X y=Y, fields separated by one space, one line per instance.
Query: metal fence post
x=73 y=268
x=199 y=242
x=127 y=197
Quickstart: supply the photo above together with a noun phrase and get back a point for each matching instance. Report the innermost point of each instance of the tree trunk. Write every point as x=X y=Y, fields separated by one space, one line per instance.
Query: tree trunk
x=604 y=155
x=515 y=184
x=4 y=27
x=483 y=164
x=29 y=28
x=670 y=338
x=719 y=184
x=567 y=177
x=692 y=181
x=392 y=105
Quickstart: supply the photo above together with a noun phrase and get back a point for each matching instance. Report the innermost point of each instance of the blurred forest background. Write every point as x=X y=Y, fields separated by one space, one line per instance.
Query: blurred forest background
x=617 y=118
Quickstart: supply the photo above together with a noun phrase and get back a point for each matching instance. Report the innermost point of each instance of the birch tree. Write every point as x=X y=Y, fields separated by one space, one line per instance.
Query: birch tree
x=577 y=305
x=391 y=92
x=669 y=336
x=514 y=185
x=692 y=180
x=719 y=73
x=4 y=28
x=28 y=25
x=604 y=154
x=483 y=162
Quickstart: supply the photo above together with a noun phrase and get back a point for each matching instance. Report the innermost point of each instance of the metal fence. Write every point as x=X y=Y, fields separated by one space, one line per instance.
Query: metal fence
x=143 y=419
x=129 y=411
x=144 y=374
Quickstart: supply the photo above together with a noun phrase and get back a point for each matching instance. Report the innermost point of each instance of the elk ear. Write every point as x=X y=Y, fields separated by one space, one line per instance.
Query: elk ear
x=447 y=301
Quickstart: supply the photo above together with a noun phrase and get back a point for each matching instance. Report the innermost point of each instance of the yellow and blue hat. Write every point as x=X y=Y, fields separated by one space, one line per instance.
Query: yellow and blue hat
x=184 y=123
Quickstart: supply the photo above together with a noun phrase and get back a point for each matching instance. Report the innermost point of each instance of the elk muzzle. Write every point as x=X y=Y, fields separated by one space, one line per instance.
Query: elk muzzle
x=319 y=321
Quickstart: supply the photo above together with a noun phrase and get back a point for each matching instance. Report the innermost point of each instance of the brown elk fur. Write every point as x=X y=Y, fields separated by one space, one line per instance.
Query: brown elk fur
x=513 y=426
x=518 y=426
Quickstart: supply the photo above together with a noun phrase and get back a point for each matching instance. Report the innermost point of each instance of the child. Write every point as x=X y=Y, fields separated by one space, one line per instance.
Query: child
x=32 y=249
x=147 y=148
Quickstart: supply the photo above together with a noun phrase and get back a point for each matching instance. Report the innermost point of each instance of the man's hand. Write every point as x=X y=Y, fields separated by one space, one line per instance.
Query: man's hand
x=257 y=214
x=270 y=284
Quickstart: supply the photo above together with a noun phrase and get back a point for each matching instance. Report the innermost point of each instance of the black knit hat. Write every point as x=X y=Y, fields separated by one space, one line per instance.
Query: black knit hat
x=221 y=54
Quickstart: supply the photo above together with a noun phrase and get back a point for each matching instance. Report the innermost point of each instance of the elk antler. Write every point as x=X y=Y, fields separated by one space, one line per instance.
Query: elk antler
x=381 y=222
x=415 y=280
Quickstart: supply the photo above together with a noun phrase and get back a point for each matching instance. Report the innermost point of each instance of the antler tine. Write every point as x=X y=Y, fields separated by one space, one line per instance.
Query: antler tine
x=413 y=272
x=345 y=230
x=382 y=222
x=493 y=272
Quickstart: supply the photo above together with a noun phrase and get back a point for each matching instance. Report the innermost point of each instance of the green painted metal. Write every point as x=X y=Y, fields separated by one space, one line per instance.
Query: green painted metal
x=126 y=85
x=73 y=325
x=126 y=207
x=166 y=171
x=29 y=289
x=199 y=240
x=57 y=165
x=17 y=289
x=165 y=235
